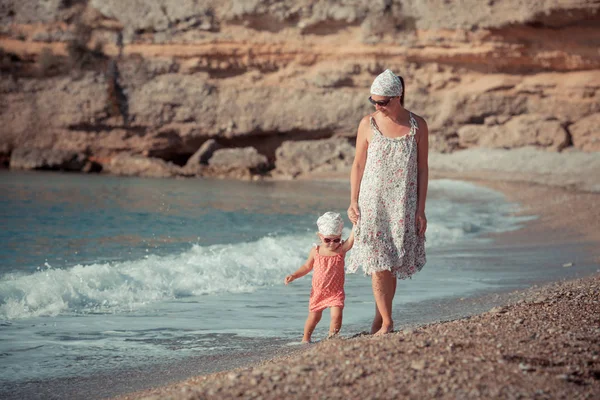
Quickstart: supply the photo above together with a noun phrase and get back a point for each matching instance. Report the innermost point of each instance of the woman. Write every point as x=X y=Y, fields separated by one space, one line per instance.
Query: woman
x=388 y=190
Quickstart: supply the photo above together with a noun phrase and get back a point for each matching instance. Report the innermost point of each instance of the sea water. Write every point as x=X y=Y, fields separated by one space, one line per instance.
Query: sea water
x=99 y=273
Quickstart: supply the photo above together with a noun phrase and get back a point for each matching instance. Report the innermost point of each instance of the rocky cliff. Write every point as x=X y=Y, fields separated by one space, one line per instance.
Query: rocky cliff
x=138 y=87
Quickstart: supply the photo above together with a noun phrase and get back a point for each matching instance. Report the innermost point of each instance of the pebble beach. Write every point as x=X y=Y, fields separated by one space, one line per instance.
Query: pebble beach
x=542 y=345
x=538 y=343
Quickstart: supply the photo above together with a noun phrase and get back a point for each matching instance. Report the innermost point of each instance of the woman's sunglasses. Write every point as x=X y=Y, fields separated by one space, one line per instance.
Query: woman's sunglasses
x=336 y=240
x=381 y=103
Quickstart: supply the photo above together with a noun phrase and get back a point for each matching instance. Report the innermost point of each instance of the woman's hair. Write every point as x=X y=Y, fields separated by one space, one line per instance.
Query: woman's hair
x=403 y=90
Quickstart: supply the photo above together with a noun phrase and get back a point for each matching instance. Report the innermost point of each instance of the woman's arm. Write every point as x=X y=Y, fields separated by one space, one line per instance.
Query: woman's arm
x=358 y=167
x=304 y=269
x=422 y=175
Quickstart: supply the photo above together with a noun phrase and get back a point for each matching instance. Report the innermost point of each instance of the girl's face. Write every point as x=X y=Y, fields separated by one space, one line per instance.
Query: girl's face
x=331 y=241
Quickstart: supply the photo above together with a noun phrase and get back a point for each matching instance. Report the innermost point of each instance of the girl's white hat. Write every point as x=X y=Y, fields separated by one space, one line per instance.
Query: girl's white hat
x=330 y=224
x=387 y=84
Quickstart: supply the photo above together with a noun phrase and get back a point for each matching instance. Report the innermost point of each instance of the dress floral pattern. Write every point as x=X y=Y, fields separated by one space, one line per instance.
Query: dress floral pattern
x=386 y=238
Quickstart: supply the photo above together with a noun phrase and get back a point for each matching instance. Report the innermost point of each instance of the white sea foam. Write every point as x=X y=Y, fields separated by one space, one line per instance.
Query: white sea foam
x=456 y=212
x=128 y=285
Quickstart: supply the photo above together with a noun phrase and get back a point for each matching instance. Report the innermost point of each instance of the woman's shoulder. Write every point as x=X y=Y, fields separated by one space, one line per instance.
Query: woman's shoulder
x=366 y=120
x=420 y=120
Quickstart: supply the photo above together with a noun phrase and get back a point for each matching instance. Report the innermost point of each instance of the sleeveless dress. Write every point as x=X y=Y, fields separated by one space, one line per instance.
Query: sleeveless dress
x=386 y=237
x=327 y=282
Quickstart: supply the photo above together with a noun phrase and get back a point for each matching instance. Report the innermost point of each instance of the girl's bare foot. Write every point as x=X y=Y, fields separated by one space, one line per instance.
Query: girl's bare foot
x=385 y=329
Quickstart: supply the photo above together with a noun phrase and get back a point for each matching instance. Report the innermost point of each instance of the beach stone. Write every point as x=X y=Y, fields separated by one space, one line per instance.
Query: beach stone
x=418 y=365
x=302 y=368
x=526 y=367
x=233 y=376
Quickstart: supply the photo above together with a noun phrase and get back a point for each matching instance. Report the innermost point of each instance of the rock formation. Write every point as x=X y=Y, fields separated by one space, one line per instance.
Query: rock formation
x=159 y=78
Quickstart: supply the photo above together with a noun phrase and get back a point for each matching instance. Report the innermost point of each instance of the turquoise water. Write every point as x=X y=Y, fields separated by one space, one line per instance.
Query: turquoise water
x=100 y=272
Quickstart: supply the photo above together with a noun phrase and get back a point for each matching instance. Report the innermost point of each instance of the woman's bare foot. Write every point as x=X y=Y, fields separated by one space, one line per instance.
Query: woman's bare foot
x=376 y=326
x=385 y=329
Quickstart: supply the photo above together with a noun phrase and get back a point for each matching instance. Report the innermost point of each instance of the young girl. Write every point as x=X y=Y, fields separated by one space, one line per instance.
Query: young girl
x=327 y=261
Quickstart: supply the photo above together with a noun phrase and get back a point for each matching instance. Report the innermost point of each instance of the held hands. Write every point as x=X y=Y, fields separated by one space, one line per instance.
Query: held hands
x=420 y=223
x=353 y=212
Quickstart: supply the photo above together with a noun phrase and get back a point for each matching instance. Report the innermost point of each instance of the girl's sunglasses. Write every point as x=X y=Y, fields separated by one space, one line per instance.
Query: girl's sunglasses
x=336 y=240
x=381 y=103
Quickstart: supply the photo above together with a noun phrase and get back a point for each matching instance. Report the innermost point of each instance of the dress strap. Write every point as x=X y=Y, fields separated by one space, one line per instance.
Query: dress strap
x=414 y=125
x=374 y=126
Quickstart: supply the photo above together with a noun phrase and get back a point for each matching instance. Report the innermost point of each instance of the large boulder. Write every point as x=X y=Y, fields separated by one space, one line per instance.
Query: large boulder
x=295 y=158
x=203 y=154
x=520 y=131
x=134 y=165
x=237 y=163
x=247 y=158
x=47 y=159
x=585 y=133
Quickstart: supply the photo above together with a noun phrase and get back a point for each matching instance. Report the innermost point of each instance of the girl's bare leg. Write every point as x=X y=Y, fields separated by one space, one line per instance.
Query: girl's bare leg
x=336 y=320
x=384 y=289
x=310 y=325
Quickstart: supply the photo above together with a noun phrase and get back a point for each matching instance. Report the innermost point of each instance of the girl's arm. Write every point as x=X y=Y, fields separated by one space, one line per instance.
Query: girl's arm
x=349 y=242
x=358 y=167
x=422 y=176
x=304 y=269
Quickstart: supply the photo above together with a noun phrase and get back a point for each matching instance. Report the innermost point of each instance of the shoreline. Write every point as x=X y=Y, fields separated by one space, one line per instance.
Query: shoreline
x=564 y=216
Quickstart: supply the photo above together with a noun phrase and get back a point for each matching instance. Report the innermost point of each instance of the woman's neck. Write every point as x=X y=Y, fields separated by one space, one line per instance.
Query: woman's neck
x=399 y=116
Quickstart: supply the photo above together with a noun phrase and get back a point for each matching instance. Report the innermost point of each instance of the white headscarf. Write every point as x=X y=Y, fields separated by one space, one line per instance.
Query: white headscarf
x=330 y=224
x=387 y=84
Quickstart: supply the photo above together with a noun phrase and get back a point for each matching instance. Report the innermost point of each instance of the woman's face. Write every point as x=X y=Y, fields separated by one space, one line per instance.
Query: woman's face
x=382 y=103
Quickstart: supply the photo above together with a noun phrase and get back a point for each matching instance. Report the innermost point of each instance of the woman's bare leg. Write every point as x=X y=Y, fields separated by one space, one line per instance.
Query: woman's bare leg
x=376 y=325
x=310 y=325
x=336 y=320
x=384 y=289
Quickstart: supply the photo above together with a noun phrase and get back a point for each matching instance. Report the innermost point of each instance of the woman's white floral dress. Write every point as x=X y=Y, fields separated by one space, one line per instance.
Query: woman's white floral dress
x=386 y=237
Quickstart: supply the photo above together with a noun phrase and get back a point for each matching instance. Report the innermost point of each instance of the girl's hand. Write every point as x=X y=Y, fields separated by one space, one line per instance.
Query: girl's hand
x=353 y=212
x=289 y=279
x=420 y=223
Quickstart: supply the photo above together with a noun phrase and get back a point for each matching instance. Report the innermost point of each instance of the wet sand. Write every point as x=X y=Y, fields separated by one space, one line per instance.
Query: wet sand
x=539 y=343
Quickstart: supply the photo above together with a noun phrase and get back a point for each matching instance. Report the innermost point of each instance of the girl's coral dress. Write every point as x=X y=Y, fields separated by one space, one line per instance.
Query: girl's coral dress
x=327 y=282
